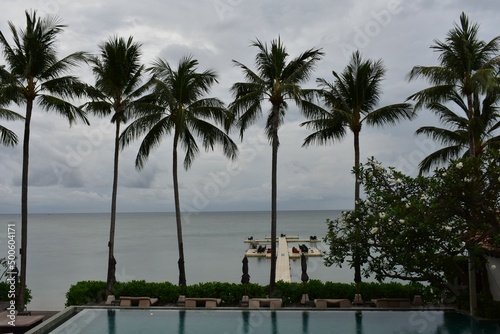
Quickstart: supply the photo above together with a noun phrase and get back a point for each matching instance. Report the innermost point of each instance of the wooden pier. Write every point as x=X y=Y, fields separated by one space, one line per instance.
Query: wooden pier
x=283 y=262
x=283 y=254
x=293 y=238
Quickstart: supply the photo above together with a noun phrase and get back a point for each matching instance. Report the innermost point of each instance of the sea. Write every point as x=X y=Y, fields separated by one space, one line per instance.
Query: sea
x=66 y=248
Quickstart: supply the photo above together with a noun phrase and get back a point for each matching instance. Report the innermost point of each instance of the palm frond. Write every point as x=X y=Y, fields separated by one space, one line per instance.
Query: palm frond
x=390 y=115
x=438 y=157
x=71 y=112
x=444 y=136
x=7 y=137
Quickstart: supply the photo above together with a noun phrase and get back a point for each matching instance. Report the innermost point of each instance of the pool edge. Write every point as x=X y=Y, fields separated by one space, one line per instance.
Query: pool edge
x=53 y=322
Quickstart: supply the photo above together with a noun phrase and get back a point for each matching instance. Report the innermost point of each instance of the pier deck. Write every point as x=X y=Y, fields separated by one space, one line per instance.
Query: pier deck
x=289 y=239
x=283 y=253
x=283 y=261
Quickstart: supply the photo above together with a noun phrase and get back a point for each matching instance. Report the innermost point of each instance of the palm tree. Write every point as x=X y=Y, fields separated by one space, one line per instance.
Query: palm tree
x=351 y=100
x=183 y=110
x=117 y=90
x=277 y=80
x=468 y=67
x=38 y=76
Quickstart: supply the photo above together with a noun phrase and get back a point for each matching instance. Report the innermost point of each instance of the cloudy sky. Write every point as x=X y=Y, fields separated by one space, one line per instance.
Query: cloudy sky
x=71 y=168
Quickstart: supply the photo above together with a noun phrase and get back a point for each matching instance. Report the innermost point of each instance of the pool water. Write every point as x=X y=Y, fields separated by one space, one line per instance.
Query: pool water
x=126 y=321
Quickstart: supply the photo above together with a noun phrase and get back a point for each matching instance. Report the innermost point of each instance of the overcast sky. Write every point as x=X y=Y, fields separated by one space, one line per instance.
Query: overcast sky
x=71 y=168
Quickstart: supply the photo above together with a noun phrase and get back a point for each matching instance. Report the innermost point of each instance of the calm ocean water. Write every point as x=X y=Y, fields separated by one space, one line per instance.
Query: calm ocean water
x=66 y=248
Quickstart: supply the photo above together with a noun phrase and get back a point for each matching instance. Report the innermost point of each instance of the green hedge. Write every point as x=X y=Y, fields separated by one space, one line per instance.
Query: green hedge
x=93 y=292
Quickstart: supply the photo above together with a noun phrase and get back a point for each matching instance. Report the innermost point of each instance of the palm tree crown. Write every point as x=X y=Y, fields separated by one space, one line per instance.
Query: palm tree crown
x=277 y=80
x=467 y=70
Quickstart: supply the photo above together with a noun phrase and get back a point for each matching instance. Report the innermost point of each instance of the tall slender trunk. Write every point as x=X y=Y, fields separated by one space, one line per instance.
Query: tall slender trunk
x=470 y=255
x=111 y=244
x=180 y=244
x=470 y=116
x=274 y=198
x=356 y=255
x=24 y=207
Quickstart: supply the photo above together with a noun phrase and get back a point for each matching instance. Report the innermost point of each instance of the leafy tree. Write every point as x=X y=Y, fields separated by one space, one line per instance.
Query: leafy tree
x=276 y=80
x=118 y=87
x=183 y=110
x=37 y=76
x=419 y=229
x=351 y=101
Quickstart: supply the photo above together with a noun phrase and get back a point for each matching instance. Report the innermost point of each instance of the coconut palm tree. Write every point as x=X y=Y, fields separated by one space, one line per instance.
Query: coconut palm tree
x=118 y=87
x=39 y=77
x=184 y=111
x=468 y=67
x=277 y=81
x=351 y=100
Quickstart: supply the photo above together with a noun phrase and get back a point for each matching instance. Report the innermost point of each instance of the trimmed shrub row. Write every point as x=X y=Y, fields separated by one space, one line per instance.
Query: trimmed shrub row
x=93 y=292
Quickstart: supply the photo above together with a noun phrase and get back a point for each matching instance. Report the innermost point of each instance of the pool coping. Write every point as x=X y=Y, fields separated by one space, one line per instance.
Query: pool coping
x=53 y=322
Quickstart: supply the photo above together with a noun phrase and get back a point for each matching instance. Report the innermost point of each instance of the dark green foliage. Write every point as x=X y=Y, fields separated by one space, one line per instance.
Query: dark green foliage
x=487 y=307
x=166 y=292
x=93 y=292
x=86 y=292
x=230 y=293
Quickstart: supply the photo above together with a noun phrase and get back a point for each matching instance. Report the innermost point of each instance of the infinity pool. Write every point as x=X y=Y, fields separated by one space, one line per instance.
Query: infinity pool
x=128 y=321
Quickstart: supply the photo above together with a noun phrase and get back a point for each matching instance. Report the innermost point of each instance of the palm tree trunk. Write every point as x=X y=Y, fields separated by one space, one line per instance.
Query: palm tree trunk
x=470 y=116
x=470 y=255
x=274 y=198
x=180 y=244
x=24 y=206
x=111 y=244
x=356 y=255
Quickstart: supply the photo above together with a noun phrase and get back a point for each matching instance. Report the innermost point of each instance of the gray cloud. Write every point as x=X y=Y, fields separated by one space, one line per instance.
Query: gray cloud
x=71 y=167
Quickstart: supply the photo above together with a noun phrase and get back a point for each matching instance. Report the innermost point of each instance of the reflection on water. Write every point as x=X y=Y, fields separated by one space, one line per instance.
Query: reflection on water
x=182 y=321
x=125 y=321
x=305 y=322
x=111 y=322
x=359 y=322
x=274 y=322
x=246 y=317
